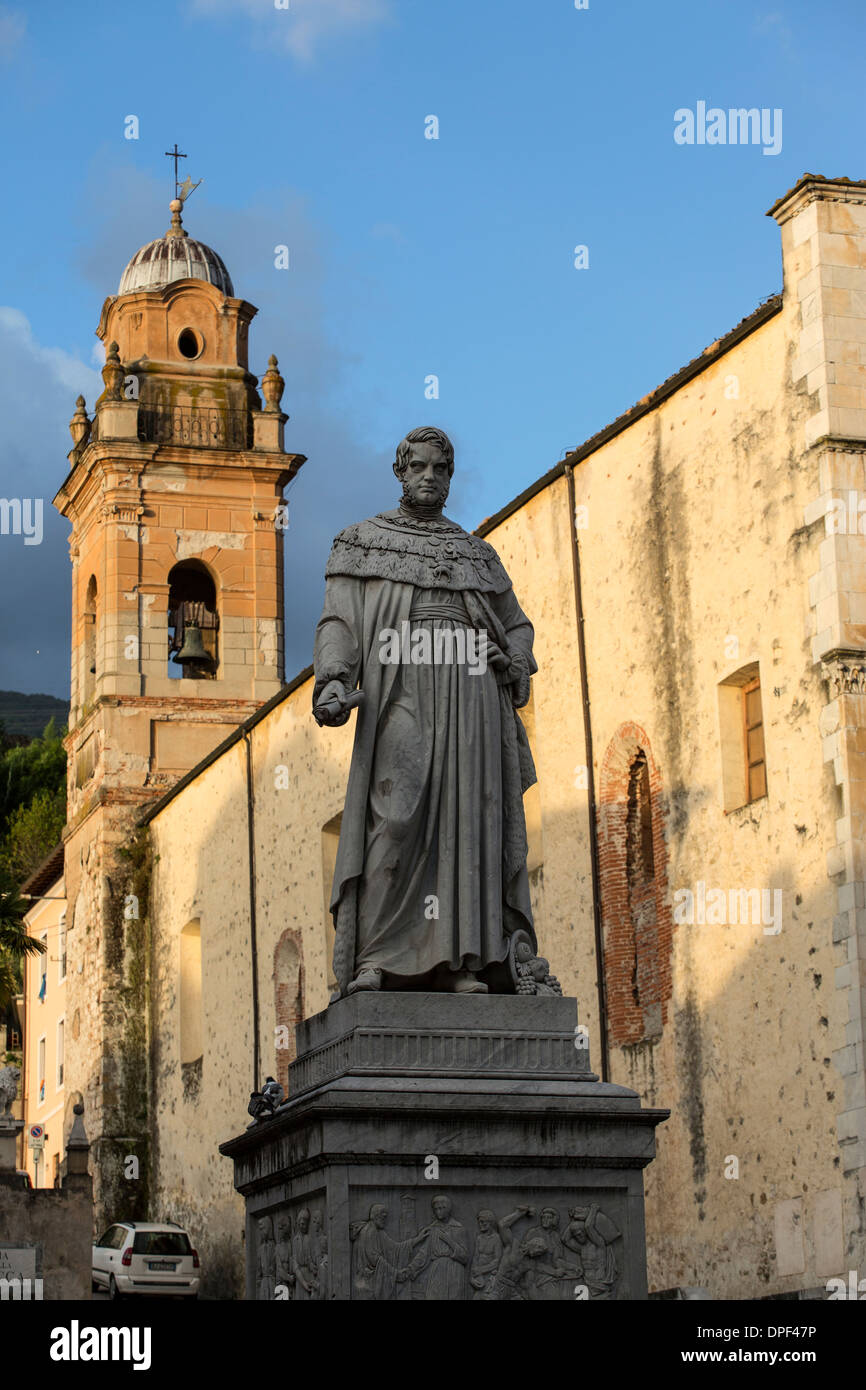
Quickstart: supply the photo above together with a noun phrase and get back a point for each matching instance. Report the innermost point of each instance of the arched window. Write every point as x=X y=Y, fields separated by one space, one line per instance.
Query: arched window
x=640 y=872
x=191 y=1026
x=90 y=632
x=636 y=915
x=193 y=622
x=288 y=998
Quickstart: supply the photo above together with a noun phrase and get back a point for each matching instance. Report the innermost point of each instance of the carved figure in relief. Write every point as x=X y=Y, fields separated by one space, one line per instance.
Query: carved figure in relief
x=320 y=1249
x=378 y=1261
x=285 y=1273
x=265 y=1282
x=443 y=1254
x=590 y=1234
x=493 y=1239
x=305 y=1259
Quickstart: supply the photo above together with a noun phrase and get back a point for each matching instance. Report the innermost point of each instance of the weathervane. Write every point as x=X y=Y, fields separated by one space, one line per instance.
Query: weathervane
x=181 y=191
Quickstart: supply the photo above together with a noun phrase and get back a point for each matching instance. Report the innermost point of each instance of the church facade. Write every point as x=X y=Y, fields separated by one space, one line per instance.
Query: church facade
x=695 y=574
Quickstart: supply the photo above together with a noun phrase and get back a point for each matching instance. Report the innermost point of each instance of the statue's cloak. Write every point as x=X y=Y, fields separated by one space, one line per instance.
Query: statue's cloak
x=373 y=573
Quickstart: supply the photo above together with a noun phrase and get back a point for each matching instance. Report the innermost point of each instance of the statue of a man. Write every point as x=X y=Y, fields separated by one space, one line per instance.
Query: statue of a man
x=420 y=617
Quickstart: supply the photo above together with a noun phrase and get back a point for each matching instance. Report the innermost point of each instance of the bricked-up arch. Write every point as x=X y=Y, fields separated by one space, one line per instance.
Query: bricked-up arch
x=191 y=1015
x=637 y=921
x=91 y=623
x=288 y=996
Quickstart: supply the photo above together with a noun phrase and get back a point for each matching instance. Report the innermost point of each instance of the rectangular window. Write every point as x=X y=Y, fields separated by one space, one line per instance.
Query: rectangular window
x=40 y=1070
x=741 y=738
x=756 y=771
x=61 y=1028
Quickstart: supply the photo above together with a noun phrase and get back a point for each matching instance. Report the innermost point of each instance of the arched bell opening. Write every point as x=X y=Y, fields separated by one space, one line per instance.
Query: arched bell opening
x=193 y=622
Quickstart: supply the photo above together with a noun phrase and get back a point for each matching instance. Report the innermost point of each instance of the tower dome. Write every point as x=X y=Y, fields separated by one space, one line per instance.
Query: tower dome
x=174 y=256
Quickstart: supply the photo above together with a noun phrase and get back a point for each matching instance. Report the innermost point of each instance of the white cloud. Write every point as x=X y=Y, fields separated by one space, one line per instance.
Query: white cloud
x=303 y=24
x=13 y=26
x=775 y=26
x=64 y=370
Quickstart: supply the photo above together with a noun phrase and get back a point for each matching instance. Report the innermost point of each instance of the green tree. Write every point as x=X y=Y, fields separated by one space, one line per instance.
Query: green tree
x=32 y=832
x=37 y=766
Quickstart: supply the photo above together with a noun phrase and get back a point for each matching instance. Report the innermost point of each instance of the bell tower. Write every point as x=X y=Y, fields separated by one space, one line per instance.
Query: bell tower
x=175 y=498
x=175 y=495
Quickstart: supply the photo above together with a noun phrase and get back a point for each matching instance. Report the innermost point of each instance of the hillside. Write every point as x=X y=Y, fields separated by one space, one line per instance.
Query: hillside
x=28 y=714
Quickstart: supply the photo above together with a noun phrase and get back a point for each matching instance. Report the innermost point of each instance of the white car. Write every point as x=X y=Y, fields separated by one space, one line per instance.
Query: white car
x=146 y=1257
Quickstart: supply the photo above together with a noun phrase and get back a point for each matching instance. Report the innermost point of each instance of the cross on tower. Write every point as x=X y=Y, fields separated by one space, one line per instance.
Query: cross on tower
x=175 y=154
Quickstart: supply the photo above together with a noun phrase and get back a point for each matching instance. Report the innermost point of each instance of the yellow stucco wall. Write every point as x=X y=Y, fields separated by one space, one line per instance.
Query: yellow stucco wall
x=46 y=1104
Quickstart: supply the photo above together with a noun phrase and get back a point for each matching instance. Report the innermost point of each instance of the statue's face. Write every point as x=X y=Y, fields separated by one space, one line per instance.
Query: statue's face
x=426 y=481
x=441 y=1208
x=548 y=1220
x=379 y=1215
x=304 y=1221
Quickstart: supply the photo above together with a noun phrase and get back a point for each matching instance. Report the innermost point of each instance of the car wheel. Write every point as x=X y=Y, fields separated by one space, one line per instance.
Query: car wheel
x=113 y=1291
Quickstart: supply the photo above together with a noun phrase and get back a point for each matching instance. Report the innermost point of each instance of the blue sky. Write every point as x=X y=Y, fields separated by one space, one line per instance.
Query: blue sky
x=409 y=256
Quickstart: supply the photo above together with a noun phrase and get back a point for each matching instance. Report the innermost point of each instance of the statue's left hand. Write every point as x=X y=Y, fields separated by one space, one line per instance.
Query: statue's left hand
x=492 y=655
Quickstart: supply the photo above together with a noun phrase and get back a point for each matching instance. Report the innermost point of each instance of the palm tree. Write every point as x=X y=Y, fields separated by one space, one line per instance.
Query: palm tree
x=15 y=940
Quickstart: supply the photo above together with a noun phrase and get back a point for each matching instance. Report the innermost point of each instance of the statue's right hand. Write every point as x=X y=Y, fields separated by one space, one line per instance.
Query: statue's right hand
x=332 y=708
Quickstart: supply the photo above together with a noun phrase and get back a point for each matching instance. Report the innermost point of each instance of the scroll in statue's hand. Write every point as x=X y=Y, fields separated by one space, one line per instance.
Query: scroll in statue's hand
x=335 y=704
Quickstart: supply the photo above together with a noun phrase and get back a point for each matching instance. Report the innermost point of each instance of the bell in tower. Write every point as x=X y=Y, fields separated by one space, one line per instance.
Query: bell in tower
x=193 y=621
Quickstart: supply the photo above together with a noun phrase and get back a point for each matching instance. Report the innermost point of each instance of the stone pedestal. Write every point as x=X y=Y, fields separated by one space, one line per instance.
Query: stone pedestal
x=10 y=1128
x=446 y=1147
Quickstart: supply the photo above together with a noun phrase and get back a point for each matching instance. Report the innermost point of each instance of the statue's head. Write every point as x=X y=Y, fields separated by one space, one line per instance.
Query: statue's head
x=378 y=1215
x=303 y=1220
x=549 y=1218
x=425 y=465
x=441 y=1208
x=486 y=1221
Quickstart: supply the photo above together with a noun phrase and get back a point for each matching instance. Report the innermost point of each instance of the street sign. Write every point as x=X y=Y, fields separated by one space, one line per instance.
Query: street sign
x=36 y=1137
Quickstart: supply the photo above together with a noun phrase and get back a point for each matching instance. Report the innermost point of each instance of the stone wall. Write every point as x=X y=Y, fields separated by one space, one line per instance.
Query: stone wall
x=49 y=1229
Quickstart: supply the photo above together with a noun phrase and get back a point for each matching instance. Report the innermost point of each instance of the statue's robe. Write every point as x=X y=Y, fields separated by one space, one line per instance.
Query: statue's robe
x=431 y=865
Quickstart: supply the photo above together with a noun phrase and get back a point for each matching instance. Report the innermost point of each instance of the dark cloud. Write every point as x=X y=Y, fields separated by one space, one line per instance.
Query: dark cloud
x=38 y=387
